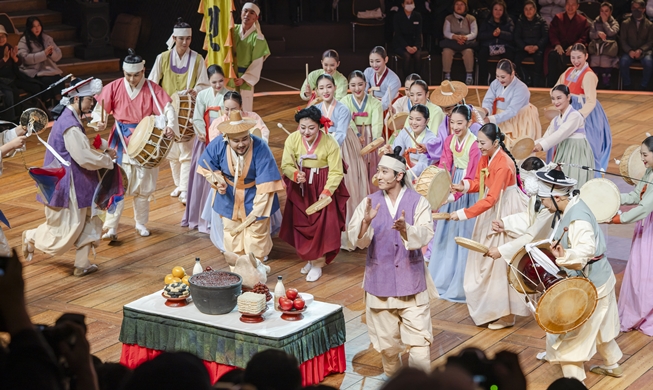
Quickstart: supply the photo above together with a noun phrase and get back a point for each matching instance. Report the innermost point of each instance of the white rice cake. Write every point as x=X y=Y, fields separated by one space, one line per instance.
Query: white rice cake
x=251 y=303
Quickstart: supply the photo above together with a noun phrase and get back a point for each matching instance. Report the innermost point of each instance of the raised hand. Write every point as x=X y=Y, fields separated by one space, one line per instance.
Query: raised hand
x=400 y=224
x=370 y=213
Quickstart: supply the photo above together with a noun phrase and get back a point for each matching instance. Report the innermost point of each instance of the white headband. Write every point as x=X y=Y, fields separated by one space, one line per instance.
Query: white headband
x=545 y=190
x=133 y=68
x=178 y=32
x=392 y=163
x=253 y=7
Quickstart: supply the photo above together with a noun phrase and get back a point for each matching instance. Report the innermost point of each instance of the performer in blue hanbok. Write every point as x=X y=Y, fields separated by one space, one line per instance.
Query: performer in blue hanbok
x=244 y=173
x=582 y=81
x=382 y=80
x=460 y=157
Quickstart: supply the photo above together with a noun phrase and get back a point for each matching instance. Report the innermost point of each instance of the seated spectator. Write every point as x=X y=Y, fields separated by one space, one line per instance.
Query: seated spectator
x=531 y=37
x=460 y=31
x=8 y=67
x=567 y=384
x=189 y=373
x=273 y=369
x=603 y=47
x=40 y=55
x=550 y=8
x=495 y=40
x=566 y=29
x=408 y=37
x=636 y=41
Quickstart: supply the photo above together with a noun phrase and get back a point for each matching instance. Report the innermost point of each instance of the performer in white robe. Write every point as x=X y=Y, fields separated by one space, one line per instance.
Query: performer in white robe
x=580 y=252
x=394 y=224
x=70 y=218
x=183 y=72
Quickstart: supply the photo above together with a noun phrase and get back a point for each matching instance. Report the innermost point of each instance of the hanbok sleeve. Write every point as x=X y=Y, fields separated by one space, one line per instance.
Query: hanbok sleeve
x=341 y=85
x=446 y=159
x=155 y=74
x=265 y=132
x=583 y=246
x=393 y=89
x=488 y=99
x=310 y=81
x=260 y=52
x=566 y=129
x=421 y=232
x=518 y=98
x=341 y=119
x=376 y=112
x=336 y=174
x=97 y=115
x=80 y=150
x=5 y=137
x=642 y=196
x=198 y=117
x=589 y=89
x=355 y=225
x=472 y=167
x=492 y=196
x=288 y=162
x=202 y=81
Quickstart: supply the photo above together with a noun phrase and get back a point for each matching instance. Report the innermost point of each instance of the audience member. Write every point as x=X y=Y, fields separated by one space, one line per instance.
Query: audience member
x=495 y=40
x=408 y=37
x=567 y=384
x=636 y=41
x=567 y=28
x=111 y=376
x=273 y=370
x=550 y=8
x=603 y=47
x=531 y=37
x=8 y=67
x=39 y=55
x=189 y=373
x=460 y=31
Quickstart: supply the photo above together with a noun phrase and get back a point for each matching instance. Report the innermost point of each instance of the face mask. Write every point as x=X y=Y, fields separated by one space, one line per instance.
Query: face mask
x=409 y=7
x=637 y=13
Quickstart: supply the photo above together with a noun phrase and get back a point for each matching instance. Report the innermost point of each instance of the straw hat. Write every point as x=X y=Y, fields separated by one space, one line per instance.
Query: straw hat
x=449 y=93
x=236 y=124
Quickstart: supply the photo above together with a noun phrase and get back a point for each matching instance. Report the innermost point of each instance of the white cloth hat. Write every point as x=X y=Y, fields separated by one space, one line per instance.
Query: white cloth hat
x=178 y=32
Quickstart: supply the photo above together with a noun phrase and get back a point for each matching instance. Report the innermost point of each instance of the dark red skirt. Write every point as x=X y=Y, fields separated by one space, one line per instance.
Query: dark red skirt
x=317 y=235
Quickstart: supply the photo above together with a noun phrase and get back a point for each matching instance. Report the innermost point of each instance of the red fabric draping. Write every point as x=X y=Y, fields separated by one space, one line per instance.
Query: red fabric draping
x=313 y=370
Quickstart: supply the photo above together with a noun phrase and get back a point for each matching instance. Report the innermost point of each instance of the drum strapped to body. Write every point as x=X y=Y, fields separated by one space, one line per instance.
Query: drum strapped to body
x=434 y=184
x=602 y=197
x=631 y=164
x=184 y=105
x=567 y=305
x=148 y=145
x=528 y=277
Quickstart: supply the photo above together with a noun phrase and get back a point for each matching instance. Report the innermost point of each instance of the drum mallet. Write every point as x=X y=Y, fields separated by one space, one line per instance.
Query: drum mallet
x=566 y=229
x=279 y=125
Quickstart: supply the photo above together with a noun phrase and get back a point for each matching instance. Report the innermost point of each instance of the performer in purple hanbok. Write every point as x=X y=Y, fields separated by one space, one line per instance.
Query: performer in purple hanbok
x=635 y=301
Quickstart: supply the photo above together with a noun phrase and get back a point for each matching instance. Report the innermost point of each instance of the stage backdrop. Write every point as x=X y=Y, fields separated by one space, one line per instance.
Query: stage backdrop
x=217 y=23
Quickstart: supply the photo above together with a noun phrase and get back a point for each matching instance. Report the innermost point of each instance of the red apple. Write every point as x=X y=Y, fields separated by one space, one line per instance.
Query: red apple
x=299 y=303
x=285 y=304
x=291 y=294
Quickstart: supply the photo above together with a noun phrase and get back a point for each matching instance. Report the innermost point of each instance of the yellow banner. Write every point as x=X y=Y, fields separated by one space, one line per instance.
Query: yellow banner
x=217 y=24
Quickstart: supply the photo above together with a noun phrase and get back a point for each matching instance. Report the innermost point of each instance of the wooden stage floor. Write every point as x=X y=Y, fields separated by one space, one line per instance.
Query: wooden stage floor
x=135 y=266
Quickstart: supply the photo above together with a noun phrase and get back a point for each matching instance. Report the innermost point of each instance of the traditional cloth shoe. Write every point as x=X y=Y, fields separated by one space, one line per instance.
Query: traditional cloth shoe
x=85 y=271
x=110 y=235
x=616 y=372
x=182 y=197
x=314 y=274
x=541 y=356
x=142 y=230
x=175 y=193
x=28 y=248
x=500 y=324
x=306 y=269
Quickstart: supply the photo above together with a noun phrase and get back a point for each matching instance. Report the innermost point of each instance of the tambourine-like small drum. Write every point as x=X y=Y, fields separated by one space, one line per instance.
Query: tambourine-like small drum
x=184 y=105
x=34 y=120
x=434 y=184
x=566 y=305
x=372 y=146
x=397 y=122
x=148 y=146
x=528 y=277
x=522 y=148
x=631 y=164
x=602 y=197
x=440 y=216
x=471 y=245
x=319 y=205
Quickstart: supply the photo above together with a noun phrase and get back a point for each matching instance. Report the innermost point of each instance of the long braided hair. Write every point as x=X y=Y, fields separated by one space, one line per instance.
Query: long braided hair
x=492 y=131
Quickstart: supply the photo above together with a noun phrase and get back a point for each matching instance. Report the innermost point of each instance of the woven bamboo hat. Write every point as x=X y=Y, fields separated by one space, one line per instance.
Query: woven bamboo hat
x=449 y=93
x=236 y=124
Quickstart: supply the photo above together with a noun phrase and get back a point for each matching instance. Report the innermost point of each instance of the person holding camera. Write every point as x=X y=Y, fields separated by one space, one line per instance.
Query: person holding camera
x=69 y=217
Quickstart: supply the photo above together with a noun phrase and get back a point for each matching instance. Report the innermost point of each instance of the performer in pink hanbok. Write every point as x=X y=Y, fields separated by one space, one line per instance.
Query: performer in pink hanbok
x=129 y=100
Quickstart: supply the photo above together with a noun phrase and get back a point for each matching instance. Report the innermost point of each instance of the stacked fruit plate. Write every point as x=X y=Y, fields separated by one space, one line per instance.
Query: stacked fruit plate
x=292 y=306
